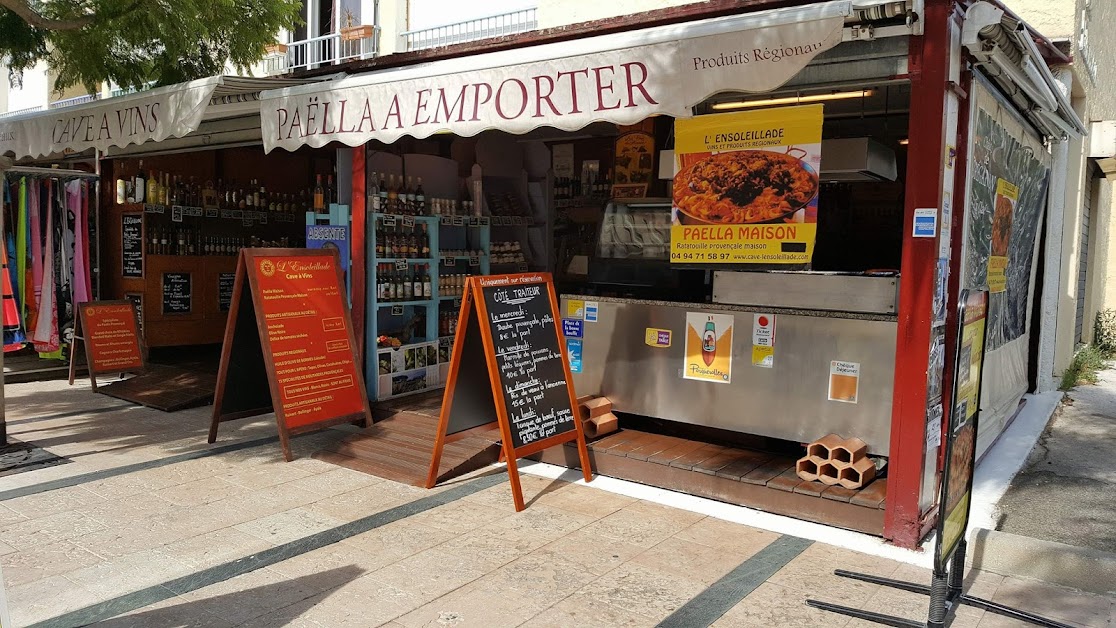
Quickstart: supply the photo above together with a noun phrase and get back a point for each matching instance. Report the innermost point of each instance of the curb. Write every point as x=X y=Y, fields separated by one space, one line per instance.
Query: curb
x=1083 y=568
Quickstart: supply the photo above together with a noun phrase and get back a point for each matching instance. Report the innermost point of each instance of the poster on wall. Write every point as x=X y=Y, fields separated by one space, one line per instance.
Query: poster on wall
x=708 y=347
x=1008 y=179
x=1007 y=195
x=746 y=187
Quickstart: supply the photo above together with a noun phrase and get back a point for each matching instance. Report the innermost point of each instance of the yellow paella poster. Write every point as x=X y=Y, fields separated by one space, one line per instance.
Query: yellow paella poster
x=1007 y=195
x=746 y=187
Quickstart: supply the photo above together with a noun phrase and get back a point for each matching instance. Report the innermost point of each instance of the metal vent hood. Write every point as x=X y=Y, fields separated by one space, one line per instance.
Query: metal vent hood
x=857 y=159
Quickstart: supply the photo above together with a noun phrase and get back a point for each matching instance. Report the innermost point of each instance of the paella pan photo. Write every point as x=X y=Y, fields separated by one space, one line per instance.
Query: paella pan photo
x=744 y=187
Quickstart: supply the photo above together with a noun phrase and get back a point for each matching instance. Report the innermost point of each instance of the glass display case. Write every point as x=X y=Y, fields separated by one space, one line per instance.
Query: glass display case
x=632 y=254
x=635 y=229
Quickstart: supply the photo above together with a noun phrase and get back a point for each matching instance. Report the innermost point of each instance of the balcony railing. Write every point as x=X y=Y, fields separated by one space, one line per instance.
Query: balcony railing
x=481 y=28
x=353 y=44
x=16 y=112
x=76 y=100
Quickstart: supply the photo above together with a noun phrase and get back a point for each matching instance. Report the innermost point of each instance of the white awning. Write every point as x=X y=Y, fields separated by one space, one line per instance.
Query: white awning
x=152 y=115
x=620 y=78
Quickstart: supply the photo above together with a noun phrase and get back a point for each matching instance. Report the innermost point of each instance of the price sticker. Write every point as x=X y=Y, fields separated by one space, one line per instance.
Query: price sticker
x=474 y=261
x=458 y=221
x=176 y=214
x=397 y=310
x=446 y=220
x=389 y=221
x=211 y=213
x=246 y=221
x=449 y=261
x=408 y=221
x=521 y=267
x=400 y=264
x=484 y=221
x=263 y=219
x=457 y=303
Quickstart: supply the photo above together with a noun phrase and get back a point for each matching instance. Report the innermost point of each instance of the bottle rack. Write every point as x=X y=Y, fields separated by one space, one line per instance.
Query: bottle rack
x=459 y=245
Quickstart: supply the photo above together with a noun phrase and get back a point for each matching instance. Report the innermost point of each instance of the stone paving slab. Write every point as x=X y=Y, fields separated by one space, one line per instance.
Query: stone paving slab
x=236 y=537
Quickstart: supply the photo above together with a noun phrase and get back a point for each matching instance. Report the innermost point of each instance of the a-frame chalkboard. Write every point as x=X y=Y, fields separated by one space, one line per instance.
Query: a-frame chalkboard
x=509 y=366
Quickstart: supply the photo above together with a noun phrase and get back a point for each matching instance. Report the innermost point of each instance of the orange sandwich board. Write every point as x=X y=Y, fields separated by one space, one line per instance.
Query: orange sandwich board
x=509 y=364
x=289 y=345
x=110 y=330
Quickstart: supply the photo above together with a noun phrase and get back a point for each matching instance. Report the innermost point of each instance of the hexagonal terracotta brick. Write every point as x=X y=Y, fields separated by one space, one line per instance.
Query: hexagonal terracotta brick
x=858 y=474
x=823 y=447
x=849 y=451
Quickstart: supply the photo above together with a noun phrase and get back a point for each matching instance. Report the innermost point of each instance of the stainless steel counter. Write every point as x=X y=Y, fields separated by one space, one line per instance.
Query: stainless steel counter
x=788 y=401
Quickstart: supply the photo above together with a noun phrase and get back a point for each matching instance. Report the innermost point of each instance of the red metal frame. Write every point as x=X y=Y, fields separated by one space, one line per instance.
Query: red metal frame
x=359 y=270
x=929 y=70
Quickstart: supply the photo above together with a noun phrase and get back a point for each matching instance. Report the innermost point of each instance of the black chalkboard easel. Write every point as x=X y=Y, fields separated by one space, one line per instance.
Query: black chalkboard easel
x=509 y=366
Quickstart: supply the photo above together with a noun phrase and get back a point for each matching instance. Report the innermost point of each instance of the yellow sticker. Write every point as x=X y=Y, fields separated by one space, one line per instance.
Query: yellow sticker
x=575 y=308
x=659 y=338
x=763 y=356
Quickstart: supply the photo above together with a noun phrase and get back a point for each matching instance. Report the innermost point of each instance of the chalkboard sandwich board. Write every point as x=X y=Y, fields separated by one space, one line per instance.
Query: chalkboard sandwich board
x=289 y=345
x=509 y=366
x=110 y=330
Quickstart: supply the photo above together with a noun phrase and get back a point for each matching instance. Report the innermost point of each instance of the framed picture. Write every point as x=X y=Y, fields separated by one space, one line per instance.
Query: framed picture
x=629 y=190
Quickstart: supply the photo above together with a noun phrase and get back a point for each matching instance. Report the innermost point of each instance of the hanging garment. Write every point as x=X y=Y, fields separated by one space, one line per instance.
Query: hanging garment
x=45 y=337
x=13 y=333
x=22 y=229
x=76 y=199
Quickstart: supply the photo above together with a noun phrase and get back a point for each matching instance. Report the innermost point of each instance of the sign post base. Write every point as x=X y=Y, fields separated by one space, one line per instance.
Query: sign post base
x=946 y=595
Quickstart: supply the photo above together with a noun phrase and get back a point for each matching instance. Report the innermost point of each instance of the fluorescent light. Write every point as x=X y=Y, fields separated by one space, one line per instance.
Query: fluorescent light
x=792 y=100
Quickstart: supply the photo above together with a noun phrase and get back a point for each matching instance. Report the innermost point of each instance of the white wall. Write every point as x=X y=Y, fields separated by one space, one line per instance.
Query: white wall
x=34 y=92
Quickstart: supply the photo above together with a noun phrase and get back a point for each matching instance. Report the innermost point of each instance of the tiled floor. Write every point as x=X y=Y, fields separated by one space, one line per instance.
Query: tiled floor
x=241 y=538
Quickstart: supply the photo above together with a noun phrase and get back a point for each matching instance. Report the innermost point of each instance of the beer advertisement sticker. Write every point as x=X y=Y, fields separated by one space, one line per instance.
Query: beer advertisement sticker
x=844 y=381
x=708 y=347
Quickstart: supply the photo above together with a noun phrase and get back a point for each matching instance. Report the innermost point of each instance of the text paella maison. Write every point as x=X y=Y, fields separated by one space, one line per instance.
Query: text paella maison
x=740 y=232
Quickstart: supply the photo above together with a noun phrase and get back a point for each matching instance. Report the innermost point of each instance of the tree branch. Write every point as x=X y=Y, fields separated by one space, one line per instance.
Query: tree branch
x=36 y=19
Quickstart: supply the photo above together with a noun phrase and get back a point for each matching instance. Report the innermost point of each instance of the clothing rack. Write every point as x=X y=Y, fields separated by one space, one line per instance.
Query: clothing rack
x=49 y=173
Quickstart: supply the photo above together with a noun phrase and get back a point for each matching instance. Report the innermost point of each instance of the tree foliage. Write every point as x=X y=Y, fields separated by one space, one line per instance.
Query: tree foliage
x=136 y=42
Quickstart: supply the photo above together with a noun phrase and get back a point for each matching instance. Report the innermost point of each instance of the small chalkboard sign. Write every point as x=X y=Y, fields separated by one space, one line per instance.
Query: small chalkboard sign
x=509 y=365
x=177 y=294
x=132 y=249
x=225 y=283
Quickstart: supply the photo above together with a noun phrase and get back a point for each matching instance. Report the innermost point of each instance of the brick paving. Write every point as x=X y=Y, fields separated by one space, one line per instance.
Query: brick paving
x=147 y=525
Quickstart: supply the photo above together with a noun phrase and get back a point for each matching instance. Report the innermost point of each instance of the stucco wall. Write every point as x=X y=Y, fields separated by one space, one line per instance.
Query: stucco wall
x=1095 y=20
x=1052 y=18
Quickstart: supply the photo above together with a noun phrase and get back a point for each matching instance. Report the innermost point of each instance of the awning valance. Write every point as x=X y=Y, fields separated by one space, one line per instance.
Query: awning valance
x=152 y=115
x=621 y=78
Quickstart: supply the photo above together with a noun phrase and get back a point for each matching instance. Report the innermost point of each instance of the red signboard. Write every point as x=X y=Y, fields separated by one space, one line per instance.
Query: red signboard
x=289 y=344
x=111 y=333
